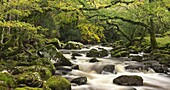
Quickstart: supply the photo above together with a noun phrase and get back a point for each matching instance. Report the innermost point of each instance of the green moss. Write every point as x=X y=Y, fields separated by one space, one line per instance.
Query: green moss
x=29 y=79
x=44 y=72
x=73 y=45
x=7 y=80
x=58 y=83
x=28 y=88
x=93 y=53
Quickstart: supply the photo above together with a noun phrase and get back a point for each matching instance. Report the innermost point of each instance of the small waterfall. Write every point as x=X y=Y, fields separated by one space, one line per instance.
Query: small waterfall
x=119 y=68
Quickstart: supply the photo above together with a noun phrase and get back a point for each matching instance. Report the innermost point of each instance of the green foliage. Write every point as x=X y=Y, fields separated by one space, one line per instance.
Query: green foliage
x=91 y=33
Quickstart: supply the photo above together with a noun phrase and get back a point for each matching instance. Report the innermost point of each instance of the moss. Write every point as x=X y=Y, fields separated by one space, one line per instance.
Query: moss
x=55 y=42
x=93 y=53
x=73 y=45
x=7 y=80
x=28 y=88
x=103 y=53
x=44 y=72
x=29 y=79
x=58 y=83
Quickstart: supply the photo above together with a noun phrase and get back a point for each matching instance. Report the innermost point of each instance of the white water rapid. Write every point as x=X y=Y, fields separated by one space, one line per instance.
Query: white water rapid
x=104 y=80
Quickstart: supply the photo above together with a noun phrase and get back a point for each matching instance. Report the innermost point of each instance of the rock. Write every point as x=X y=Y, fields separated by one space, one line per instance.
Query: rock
x=79 y=80
x=75 y=67
x=73 y=57
x=133 y=68
x=28 y=88
x=76 y=54
x=64 y=69
x=109 y=68
x=93 y=53
x=58 y=73
x=73 y=45
x=7 y=81
x=32 y=79
x=44 y=72
x=58 y=83
x=55 y=42
x=62 y=60
x=137 y=58
x=93 y=60
x=126 y=80
x=119 y=53
x=160 y=68
x=103 y=53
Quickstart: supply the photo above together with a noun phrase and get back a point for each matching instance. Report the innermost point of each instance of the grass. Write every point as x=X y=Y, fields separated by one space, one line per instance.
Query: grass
x=161 y=40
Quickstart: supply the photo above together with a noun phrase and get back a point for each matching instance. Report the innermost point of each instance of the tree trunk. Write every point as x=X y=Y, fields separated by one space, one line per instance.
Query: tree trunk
x=153 y=41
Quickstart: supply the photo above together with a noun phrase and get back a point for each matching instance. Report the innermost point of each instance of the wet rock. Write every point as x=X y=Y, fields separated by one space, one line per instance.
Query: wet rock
x=160 y=68
x=58 y=83
x=93 y=53
x=109 y=68
x=76 y=54
x=64 y=68
x=103 y=53
x=73 y=57
x=75 y=67
x=79 y=80
x=73 y=45
x=32 y=79
x=62 y=60
x=133 y=68
x=93 y=60
x=58 y=73
x=137 y=58
x=126 y=80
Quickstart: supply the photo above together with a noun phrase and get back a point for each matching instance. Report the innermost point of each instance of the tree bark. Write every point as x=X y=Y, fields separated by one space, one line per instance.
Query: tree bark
x=153 y=41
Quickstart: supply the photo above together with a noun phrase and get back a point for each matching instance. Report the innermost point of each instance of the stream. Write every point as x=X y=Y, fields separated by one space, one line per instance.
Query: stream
x=104 y=80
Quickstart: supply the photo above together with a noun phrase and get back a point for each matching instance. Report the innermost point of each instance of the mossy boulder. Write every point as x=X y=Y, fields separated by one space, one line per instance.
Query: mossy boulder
x=28 y=88
x=7 y=80
x=127 y=80
x=55 y=42
x=32 y=79
x=44 y=72
x=73 y=45
x=93 y=53
x=58 y=83
x=61 y=60
x=103 y=53
x=119 y=53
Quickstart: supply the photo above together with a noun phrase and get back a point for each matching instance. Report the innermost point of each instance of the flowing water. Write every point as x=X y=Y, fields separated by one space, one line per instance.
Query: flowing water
x=104 y=80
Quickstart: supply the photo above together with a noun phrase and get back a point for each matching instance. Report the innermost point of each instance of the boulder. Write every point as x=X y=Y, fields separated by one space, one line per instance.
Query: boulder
x=44 y=72
x=76 y=54
x=93 y=53
x=55 y=42
x=126 y=80
x=32 y=79
x=75 y=67
x=58 y=83
x=93 y=60
x=109 y=68
x=79 y=80
x=103 y=53
x=137 y=58
x=61 y=60
x=73 y=45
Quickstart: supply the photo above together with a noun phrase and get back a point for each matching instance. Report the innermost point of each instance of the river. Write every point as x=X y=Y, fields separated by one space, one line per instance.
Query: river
x=104 y=80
